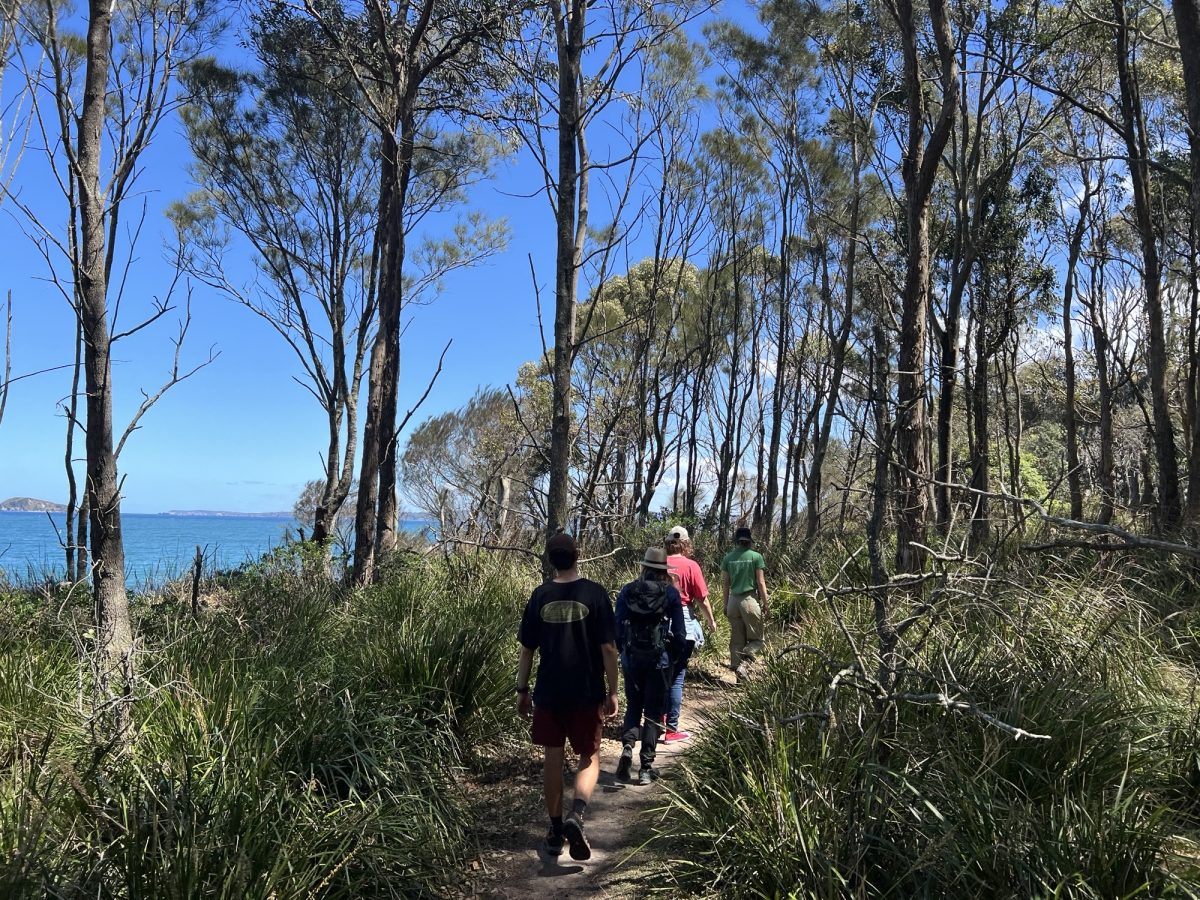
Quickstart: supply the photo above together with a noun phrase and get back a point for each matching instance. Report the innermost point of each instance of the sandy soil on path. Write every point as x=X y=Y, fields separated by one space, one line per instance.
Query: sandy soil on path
x=619 y=823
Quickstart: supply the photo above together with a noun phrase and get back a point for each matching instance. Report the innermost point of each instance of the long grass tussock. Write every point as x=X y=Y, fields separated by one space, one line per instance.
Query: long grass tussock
x=772 y=804
x=299 y=741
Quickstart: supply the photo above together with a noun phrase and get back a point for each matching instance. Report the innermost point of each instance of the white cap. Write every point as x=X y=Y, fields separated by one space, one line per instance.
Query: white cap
x=679 y=533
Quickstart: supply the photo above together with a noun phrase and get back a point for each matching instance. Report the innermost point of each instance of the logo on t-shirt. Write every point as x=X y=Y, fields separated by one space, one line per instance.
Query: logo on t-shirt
x=563 y=612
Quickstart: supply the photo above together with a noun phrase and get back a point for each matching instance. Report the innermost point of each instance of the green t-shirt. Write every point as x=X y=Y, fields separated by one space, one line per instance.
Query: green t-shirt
x=742 y=563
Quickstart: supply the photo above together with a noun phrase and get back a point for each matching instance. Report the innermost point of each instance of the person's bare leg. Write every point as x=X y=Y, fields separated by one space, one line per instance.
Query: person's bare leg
x=586 y=776
x=552 y=781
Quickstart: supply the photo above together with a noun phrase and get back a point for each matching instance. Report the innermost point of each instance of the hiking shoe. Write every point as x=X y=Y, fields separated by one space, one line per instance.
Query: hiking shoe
x=672 y=737
x=554 y=842
x=573 y=832
x=625 y=765
x=647 y=775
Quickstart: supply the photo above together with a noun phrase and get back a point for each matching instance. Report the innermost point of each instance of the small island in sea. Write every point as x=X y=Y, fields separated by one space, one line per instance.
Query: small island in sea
x=29 y=504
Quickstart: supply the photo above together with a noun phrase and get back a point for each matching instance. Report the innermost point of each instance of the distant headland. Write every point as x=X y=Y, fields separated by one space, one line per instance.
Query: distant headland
x=29 y=504
x=226 y=513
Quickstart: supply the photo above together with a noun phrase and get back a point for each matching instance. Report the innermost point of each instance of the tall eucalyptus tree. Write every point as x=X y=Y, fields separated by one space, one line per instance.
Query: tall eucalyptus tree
x=410 y=61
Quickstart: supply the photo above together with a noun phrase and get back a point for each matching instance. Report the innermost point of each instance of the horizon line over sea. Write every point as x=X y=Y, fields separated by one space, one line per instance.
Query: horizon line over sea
x=158 y=546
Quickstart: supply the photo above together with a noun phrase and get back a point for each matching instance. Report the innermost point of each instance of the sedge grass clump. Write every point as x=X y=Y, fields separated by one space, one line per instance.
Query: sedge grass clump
x=910 y=799
x=442 y=644
x=300 y=740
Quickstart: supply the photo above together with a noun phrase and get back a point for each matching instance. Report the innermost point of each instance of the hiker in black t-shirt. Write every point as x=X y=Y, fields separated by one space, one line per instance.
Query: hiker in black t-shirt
x=650 y=635
x=569 y=623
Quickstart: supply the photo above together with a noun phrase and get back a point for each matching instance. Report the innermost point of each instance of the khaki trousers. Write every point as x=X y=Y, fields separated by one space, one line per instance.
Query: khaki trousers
x=745 y=628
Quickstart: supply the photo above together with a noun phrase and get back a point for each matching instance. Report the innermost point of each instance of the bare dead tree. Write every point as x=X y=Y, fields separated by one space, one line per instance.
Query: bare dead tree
x=16 y=120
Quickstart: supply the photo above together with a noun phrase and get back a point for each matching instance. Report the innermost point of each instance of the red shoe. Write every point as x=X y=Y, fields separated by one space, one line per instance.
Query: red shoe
x=672 y=737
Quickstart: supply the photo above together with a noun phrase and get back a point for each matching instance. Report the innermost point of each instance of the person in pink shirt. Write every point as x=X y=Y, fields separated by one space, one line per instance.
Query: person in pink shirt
x=689 y=580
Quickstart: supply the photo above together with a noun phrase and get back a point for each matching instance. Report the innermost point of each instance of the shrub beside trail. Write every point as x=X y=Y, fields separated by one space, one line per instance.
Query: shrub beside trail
x=772 y=802
x=298 y=740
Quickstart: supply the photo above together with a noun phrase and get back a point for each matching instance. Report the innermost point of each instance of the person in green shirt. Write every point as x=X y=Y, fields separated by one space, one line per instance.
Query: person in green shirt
x=743 y=588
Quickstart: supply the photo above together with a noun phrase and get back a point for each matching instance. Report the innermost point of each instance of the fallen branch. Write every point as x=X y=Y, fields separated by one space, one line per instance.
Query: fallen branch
x=612 y=552
x=1065 y=543
x=1131 y=540
x=831 y=693
x=950 y=703
x=808 y=648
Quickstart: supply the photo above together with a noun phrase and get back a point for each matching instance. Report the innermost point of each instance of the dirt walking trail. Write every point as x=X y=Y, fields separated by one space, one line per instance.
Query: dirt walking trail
x=619 y=822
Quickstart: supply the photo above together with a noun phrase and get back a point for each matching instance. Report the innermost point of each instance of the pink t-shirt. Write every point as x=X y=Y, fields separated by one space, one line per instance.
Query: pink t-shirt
x=688 y=578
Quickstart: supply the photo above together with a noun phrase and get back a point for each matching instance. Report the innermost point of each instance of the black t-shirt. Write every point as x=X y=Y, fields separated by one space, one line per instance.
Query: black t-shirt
x=566 y=624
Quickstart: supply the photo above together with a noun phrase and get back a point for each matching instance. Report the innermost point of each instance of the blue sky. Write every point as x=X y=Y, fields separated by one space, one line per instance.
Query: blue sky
x=241 y=434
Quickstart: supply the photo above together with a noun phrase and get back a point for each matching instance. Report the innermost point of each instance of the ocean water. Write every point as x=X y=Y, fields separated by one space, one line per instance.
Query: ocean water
x=157 y=547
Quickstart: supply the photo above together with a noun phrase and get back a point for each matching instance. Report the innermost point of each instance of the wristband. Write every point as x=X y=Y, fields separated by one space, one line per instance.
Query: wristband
x=521 y=690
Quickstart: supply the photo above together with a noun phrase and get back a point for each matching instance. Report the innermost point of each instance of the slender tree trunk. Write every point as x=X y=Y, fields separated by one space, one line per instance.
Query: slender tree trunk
x=947 y=379
x=782 y=348
x=1147 y=499
x=114 y=633
x=979 y=445
x=75 y=572
x=820 y=448
x=921 y=159
x=368 y=480
x=966 y=155
x=325 y=511
x=1104 y=389
x=571 y=225
x=1070 y=421
x=81 y=540
x=1187 y=27
x=1134 y=134
x=390 y=309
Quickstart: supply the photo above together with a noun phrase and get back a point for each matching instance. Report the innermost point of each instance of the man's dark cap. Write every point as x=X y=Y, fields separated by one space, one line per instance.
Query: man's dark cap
x=743 y=534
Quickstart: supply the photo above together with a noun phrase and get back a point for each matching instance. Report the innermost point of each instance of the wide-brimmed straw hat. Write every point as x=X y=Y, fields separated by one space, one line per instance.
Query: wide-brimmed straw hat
x=656 y=558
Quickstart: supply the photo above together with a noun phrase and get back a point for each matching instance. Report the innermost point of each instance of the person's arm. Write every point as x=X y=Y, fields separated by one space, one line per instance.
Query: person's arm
x=621 y=616
x=724 y=589
x=701 y=597
x=761 y=580
x=609 y=652
x=678 y=629
x=524 y=667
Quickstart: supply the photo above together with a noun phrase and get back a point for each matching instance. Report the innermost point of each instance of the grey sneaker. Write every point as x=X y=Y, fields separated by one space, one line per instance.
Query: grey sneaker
x=647 y=775
x=625 y=765
x=573 y=832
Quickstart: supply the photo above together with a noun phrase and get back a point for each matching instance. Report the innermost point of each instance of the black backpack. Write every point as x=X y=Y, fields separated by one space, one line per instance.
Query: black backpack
x=646 y=605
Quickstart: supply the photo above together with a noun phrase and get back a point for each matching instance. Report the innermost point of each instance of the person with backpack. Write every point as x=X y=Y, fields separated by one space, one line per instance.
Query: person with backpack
x=650 y=636
x=569 y=623
x=693 y=591
x=743 y=588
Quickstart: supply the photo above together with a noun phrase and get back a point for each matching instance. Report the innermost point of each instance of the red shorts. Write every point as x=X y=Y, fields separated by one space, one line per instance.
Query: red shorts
x=581 y=725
